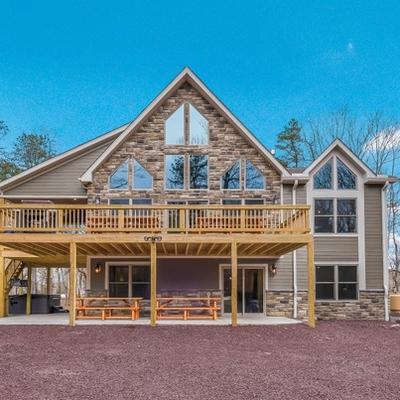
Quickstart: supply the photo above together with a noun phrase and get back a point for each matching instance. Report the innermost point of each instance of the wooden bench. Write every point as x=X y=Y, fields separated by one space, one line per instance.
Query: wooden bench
x=107 y=306
x=184 y=307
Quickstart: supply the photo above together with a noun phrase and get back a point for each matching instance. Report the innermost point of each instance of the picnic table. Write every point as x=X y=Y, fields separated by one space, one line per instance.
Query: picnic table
x=108 y=308
x=188 y=307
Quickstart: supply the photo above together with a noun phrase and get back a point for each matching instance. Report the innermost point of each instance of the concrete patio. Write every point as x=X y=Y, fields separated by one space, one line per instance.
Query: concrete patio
x=62 y=319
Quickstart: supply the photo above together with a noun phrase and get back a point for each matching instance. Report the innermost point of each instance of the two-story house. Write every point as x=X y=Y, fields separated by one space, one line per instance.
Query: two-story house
x=185 y=201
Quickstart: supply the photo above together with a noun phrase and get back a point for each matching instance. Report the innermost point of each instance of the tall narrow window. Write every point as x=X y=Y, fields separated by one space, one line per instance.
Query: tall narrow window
x=345 y=178
x=174 y=171
x=198 y=127
x=254 y=178
x=231 y=178
x=198 y=172
x=325 y=282
x=323 y=216
x=347 y=285
x=346 y=216
x=323 y=177
x=141 y=177
x=119 y=178
x=174 y=127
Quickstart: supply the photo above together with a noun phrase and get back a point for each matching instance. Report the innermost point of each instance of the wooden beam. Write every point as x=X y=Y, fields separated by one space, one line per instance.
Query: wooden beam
x=72 y=283
x=311 y=285
x=29 y=292
x=234 y=280
x=153 y=283
x=2 y=285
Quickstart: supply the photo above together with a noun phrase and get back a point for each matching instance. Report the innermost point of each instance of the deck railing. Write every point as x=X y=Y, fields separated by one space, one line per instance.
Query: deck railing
x=82 y=219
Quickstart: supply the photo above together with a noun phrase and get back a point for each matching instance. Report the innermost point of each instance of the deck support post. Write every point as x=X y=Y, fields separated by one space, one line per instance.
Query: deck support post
x=72 y=283
x=2 y=285
x=311 y=284
x=234 y=280
x=153 y=283
x=29 y=292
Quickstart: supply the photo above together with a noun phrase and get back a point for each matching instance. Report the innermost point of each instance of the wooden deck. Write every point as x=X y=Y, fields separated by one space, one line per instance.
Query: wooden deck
x=65 y=235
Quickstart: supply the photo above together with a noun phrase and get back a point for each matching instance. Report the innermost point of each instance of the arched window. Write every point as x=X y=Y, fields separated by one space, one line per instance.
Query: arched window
x=119 y=178
x=231 y=178
x=141 y=177
x=174 y=127
x=323 y=177
x=254 y=178
x=345 y=178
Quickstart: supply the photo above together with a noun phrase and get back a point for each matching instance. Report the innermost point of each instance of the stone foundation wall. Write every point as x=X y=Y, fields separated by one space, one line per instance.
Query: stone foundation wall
x=369 y=306
x=279 y=303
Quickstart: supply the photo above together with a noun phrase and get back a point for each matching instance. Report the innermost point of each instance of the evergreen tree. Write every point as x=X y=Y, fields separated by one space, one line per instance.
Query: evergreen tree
x=290 y=145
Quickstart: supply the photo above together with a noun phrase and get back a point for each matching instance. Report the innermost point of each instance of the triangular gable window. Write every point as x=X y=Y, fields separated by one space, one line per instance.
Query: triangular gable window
x=323 y=177
x=254 y=178
x=141 y=177
x=119 y=178
x=345 y=177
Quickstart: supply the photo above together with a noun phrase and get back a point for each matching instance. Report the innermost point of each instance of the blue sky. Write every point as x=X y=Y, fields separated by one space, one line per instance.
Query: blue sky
x=76 y=69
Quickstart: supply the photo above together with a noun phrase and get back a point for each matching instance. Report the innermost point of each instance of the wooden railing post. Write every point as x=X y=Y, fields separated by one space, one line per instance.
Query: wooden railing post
x=60 y=220
x=234 y=280
x=121 y=219
x=153 y=283
x=72 y=283
x=182 y=220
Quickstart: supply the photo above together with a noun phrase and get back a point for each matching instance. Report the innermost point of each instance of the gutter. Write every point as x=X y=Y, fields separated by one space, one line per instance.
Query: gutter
x=385 y=249
x=294 y=201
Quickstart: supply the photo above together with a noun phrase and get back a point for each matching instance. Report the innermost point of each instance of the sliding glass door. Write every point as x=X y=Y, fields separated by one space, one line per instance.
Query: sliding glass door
x=250 y=297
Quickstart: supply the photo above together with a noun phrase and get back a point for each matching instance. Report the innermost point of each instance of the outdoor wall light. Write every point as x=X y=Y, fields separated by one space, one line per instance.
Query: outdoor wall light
x=153 y=238
x=272 y=269
x=97 y=268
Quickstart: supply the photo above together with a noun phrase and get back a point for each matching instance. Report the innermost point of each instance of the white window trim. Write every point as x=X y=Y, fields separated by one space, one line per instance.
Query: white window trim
x=336 y=281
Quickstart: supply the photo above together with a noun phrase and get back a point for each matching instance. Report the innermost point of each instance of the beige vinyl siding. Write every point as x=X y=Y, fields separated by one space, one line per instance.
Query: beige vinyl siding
x=373 y=237
x=287 y=194
x=301 y=194
x=302 y=269
x=336 y=248
x=283 y=279
x=62 y=180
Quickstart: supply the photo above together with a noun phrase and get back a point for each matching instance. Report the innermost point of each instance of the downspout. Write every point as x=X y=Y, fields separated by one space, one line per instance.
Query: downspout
x=294 y=201
x=385 y=249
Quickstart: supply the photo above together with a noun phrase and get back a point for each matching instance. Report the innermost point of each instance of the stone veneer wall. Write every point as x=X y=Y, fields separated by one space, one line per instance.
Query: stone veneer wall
x=146 y=145
x=370 y=306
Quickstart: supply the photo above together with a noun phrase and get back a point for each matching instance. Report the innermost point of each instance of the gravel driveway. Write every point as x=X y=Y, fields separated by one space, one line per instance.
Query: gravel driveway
x=337 y=360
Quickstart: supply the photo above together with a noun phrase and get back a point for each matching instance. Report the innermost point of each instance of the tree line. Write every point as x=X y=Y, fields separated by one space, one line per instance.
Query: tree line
x=28 y=150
